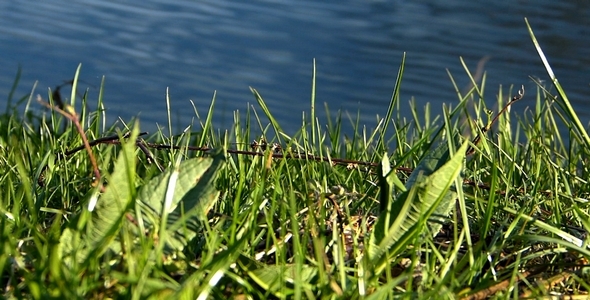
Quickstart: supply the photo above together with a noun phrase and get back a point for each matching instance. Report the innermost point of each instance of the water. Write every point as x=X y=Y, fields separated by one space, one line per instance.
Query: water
x=196 y=48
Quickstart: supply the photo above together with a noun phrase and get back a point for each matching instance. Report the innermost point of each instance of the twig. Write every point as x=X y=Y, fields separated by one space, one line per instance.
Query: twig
x=485 y=129
x=278 y=153
x=70 y=113
x=150 y=158
x=338 y=161
x=102 y=140
x=349 y=163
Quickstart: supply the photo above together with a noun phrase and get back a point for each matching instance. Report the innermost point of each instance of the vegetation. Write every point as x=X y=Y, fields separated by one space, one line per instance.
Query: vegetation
x=471 y=204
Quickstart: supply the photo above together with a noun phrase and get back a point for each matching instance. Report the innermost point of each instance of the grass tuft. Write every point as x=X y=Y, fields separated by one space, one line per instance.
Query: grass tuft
x=207 y=213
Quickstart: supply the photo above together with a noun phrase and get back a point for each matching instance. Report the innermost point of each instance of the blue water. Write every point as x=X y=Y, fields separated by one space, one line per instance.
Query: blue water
x=196 y=48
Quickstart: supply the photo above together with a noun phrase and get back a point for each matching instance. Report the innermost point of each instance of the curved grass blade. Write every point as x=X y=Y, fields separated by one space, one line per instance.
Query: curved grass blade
x=388 y=179
x=273 y=121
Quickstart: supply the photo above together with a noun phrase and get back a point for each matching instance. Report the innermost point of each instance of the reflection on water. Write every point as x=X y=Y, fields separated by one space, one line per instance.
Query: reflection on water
x=196 y=48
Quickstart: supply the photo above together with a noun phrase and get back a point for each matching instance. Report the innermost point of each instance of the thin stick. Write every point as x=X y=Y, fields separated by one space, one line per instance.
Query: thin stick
x=151 y=159
x=72 y=116
x=102 y=140
x=484 y=130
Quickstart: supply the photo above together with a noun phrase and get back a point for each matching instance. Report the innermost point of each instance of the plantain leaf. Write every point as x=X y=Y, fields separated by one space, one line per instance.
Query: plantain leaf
x=194 y=194
x=107 y=216
x=194 y=189
x=183 y=222
x=153 y=193
x=428 y=192
x=111 y=207
x=438 y=180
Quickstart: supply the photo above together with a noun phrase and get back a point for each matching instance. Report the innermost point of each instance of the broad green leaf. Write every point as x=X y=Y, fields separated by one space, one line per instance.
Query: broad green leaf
x=438 y=180
x=106 y=218
x=153 y=193
x=118 y=197
x=428 y=193
x=194 y=194
x=70 y=244
x=393 y=227
x=183 y=222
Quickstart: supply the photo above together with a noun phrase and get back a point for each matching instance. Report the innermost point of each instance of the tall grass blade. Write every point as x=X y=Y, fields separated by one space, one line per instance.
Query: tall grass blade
x=392 y=104
x=312 y=107
x=273 y=121
x=569 y=109
x=75 y=86
x=13 y=89
x=208 y=121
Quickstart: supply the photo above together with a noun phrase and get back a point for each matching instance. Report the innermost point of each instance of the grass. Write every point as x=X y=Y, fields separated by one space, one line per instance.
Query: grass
x=230 y=225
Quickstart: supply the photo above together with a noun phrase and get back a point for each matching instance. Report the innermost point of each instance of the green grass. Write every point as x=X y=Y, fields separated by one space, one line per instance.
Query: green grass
x=227 y=225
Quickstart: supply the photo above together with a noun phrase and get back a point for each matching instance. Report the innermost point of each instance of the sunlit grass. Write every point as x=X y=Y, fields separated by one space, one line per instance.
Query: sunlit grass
x=299 y=227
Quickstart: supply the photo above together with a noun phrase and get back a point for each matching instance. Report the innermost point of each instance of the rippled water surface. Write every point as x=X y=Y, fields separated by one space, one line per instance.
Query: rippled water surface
x=198 y=47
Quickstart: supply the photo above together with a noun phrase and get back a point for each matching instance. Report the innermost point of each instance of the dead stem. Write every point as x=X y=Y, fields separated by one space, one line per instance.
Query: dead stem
x=485 y=129
x=70 y=113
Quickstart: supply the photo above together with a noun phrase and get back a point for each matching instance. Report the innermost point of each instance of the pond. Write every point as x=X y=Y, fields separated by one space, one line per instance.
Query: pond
x=196 y=48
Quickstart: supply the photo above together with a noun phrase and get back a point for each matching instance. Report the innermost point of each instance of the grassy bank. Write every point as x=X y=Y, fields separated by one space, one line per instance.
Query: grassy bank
x=464 y=205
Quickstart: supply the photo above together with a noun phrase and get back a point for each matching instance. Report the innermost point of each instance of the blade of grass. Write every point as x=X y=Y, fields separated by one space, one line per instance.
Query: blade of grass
x=75 y=86
x=273 y=121
x=392 y=104
x=569 y=109
x=313 y=121
x=208 y=121
x=13 y=89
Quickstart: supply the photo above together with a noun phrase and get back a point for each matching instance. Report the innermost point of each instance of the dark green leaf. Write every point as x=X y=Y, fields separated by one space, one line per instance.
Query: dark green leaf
x=429 y=192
